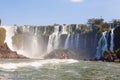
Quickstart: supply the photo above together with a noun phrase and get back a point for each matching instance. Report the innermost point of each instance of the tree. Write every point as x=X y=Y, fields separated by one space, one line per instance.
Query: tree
x=116 y=22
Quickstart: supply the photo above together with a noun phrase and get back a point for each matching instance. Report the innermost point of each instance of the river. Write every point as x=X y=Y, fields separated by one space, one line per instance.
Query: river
x=55 y=69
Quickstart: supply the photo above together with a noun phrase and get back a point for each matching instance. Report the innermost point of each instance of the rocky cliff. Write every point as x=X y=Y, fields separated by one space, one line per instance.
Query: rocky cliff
x=5 y=52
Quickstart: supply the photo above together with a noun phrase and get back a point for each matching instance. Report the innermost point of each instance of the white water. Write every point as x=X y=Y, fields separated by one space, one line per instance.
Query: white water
x=35 y=64
x=67 y=42
x=53 y=42
x=10 y=30
x=102 y=45
x=64 y=29
x=54 y=38
x=72 y=41
x=34 y=47
x=104 y=42
x=112 y=40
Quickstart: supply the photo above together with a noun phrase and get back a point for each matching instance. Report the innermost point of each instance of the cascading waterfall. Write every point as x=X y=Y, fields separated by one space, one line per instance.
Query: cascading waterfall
x=53 y=42
x=35 y=48
x=67 y=42
x=102 y=44
x=34 y=42
x=10 y=30
x=64 y=29
x=112 y=38
x=77 y=41
x=72 y=41
x=31 y=44
x=54 y=38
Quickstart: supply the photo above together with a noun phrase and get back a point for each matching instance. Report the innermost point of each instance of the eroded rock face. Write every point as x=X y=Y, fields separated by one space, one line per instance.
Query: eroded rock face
x=5 y=52
x=117 y=38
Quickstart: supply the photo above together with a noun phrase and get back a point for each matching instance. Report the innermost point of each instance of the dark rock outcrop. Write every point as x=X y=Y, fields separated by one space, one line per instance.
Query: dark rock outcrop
x=69 y=54
x=109 y=56
x=5 y=52
x=62 y=54
x=117 y=38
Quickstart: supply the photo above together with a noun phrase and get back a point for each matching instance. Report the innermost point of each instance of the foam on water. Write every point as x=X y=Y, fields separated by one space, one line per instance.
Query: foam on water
x=35 y=64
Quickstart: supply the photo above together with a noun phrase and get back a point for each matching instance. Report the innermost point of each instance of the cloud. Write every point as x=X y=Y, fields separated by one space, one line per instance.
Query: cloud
x=77 y=1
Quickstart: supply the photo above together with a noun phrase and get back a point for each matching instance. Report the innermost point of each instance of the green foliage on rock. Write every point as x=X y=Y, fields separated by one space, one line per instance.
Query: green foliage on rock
x=116 y=22
x=2 y=36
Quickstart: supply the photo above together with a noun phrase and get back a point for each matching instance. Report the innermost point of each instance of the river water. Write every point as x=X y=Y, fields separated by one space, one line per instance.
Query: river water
x=55 y=69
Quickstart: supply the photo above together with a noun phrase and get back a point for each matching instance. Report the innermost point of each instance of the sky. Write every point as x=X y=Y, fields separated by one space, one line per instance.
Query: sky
x=47 y=12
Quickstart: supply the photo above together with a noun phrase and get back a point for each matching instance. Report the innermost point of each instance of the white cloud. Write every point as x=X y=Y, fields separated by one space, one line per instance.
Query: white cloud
x=77 y=1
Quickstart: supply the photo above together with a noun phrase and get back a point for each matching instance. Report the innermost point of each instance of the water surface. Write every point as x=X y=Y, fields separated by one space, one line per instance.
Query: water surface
x=55 y=69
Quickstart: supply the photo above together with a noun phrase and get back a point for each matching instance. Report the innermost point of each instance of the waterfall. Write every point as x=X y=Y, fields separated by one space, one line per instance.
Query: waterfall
x=54 y=38
x=77 y=41
x=102 y=45
x=53 y=42
x=64 y=29
x=34 y=41
x=104 y=42
x=112 y=40
x=67 y=42
x=45 y=30
x=35 y=47
x=72 y=41
x=10 y=30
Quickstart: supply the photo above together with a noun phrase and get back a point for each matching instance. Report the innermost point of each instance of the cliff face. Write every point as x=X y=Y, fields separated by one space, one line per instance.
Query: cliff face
x=38 y=40
x=5 y=51
x=109 y=46
x=117 y=38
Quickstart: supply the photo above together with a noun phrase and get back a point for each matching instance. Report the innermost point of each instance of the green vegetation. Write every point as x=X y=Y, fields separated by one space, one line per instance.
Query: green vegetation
x=116 y=22
x=2 y=36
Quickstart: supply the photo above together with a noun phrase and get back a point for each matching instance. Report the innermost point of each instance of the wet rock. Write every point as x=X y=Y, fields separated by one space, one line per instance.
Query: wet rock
x=117 y=60
x=62 y=54
x=109 y=56
x=5 y=52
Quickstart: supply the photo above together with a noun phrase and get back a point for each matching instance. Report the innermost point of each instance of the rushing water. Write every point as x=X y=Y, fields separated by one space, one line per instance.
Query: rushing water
x=56 y=69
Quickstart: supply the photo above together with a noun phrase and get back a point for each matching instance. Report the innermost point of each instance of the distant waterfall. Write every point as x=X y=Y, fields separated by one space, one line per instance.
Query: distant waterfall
x=53 y=42
x=54 y=38
x=36 y=41
x=77 y=40
x=67 y=42
x=111 y=41
x=102 y=44
x=32 y=43
x=72 y=41
x=64 y=29
x=35 y=48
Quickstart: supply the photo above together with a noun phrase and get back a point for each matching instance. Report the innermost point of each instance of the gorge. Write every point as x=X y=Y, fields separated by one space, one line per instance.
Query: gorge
x=85 y=41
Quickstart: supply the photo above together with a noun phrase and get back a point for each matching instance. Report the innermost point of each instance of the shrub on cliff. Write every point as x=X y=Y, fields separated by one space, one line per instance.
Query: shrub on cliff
x=2 y=36
x=116 y=22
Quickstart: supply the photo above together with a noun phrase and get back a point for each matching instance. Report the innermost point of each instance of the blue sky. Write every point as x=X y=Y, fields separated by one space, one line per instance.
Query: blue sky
x=44 y=12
